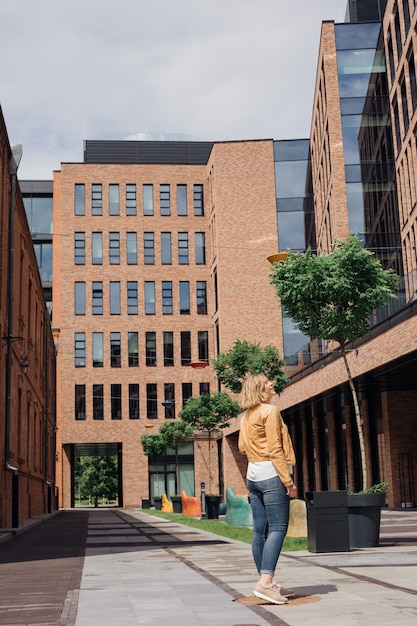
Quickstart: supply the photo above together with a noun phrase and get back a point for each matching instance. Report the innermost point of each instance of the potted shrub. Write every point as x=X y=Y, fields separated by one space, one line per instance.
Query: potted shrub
x=209 y=413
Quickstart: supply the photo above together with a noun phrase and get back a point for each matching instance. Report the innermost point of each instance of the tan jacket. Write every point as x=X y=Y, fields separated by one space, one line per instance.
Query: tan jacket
x=263 y=436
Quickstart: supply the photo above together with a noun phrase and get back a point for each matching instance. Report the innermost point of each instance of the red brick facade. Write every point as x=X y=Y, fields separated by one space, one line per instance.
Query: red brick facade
x=27 y=416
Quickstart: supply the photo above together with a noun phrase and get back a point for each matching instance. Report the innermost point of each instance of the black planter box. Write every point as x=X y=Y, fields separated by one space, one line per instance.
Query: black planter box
x=327 y=521
x=212 y=506
x=176 y=504
x=146 y=504
x=364 y=512
x=158 y=502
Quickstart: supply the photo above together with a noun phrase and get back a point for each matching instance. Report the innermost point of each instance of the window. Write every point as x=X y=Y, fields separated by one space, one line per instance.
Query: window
x=131 y=248
x=166 y=254
x=98 y=404
x=185 y=347
x=79 y=199
x=149 y=297
x=96 y=199
x=167 y=297
x=79 y=296
x=97 y=248
x=187 y=392
x=114 y=204
x=79 y=403
x=151 y=401
x=79 y=248
x=114 y=248
x=183 y=258
x=133 y=349
x=148 y=248
x=406 y=11
x=198 y=200
x=164 y=200
x=148 y=199
x=184 y=297
x=79 y=349
x=150 y=339
x=200 y=248
x=43 y=253
x=114 y=298
x=412 y=75
x=132 y=297
x=168 y=349
x=203 y=354
x=182 y=199
x=204 y=389
x=97 y=297
x=98 y=350
x=201 y=297
x=115 y=350
x=116 y=401
x=133 y=401
x=403 y=88
x=130 y=199
x=398 y=36
x=169 y=399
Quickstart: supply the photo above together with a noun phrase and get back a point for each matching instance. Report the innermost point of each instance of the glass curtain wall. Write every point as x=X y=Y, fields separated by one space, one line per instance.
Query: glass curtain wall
x=295 y=216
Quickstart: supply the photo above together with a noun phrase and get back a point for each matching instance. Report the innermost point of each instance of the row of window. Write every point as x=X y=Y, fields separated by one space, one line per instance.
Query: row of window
x=98 y=401
x=131 y=246
x=132 y=347
x=165 y=199
x=132 y=298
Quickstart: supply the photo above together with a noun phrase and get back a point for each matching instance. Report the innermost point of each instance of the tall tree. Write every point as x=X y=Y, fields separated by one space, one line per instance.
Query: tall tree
x=249 y=358
x=331 y=296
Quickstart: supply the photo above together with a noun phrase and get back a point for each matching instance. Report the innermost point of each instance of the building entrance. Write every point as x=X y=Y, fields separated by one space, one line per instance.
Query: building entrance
x=96 y=474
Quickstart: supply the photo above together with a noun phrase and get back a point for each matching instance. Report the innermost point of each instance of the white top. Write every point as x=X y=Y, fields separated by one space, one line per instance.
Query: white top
x=261 y=470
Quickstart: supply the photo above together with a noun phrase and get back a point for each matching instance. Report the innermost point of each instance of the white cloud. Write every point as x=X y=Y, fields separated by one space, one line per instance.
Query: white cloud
x=99 y=69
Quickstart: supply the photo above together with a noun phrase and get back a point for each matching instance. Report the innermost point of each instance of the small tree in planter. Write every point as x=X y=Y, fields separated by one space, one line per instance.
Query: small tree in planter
x=174 y=435
x=332 y=297
x=209 y=413
x=154 y=445
x=249 y=358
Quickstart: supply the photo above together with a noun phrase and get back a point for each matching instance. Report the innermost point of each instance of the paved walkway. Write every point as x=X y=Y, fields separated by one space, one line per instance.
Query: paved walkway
x=102 y=567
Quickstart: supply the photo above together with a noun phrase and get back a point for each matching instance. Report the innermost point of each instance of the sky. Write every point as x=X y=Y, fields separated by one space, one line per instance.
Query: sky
x=99 y=69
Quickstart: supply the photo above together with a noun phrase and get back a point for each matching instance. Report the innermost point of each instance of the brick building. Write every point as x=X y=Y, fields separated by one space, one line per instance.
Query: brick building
x=362 y=177
x=159 y=260
x=27 y=364
x=152 y=272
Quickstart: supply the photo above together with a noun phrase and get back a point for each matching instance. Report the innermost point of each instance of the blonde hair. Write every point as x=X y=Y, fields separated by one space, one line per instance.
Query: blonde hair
x=253 y=390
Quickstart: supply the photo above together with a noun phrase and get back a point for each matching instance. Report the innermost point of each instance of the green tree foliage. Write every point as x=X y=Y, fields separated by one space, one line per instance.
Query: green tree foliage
x=332 y=297
x=174 y=435
x=153 y=444
x=249 y=358
x=97 y=476
x=209 y=414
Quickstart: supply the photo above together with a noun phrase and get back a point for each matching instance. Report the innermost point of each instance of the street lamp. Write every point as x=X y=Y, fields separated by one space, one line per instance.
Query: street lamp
x=276 y=257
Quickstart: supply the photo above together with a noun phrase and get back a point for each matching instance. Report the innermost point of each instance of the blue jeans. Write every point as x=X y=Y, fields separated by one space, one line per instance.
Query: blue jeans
x=271 y=510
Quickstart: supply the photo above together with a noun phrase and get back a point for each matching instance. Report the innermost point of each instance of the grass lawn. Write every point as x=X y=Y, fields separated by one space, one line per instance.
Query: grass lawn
x=218 y=527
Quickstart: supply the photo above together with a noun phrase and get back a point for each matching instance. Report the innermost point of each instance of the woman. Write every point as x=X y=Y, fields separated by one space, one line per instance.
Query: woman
x=265 y=440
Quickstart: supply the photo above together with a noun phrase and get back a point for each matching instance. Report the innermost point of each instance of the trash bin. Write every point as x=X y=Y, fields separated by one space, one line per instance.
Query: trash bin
x=327 y=521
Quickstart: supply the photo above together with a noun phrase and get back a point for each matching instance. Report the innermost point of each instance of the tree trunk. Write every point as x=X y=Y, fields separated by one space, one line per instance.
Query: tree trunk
x=358 y=419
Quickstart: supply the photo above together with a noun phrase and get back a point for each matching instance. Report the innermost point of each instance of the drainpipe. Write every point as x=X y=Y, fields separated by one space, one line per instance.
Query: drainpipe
x=14 y=164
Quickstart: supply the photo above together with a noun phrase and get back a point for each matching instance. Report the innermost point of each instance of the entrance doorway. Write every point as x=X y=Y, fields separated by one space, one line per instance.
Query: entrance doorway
x=96 y=474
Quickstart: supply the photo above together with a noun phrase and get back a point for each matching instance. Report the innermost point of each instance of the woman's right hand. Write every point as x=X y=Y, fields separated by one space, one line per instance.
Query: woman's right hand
x=292 y=491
